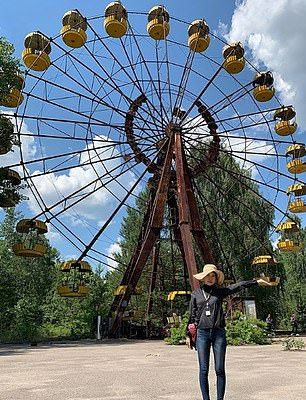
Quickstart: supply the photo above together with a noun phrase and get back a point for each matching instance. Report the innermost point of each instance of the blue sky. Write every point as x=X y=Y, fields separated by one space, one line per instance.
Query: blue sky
x=265 y=46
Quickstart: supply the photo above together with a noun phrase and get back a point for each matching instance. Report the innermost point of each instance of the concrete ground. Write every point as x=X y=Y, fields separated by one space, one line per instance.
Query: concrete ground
x=145 y=370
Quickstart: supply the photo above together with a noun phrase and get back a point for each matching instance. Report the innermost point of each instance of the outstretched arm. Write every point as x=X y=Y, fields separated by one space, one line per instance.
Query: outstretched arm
x=236 y=287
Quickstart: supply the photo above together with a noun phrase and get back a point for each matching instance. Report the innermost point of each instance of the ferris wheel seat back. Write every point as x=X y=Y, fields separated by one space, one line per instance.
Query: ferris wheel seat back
x=198 y=43
x=73 y=37
x=35 y=59
x=263 y=93
x=115 y=28
x=38 y=250
x=233 y=64
x=158 y=30
x=285 y=128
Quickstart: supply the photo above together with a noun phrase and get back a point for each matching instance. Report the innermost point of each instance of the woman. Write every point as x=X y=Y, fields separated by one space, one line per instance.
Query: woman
x=207 y=314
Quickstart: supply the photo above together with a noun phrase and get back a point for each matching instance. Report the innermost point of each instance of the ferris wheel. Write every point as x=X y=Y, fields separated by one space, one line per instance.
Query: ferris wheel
x=114 y=104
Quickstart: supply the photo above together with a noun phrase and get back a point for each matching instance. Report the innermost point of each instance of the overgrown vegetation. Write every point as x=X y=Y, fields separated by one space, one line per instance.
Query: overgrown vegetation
x=293 y=344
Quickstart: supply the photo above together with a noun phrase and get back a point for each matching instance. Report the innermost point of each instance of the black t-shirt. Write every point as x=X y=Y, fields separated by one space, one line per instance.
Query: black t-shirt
x=205 y=309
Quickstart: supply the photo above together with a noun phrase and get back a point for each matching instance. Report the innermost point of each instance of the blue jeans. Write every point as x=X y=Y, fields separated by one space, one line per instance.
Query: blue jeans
x=217 y=339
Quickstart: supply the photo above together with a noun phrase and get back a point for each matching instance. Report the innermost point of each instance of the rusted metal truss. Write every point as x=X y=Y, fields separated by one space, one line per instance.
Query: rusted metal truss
x=175 y=189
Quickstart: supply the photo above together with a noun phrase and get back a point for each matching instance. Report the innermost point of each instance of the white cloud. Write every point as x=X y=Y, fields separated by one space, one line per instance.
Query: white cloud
x=98 y=204
x=241 y=148
x=275 y=33
x=28 y=146
x=113 y=248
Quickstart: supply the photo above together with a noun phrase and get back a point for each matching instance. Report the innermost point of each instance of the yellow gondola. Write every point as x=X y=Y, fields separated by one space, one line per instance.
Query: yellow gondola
x=26 y=225
x=9 y=182
x=284 y=126
x=234 y=61
x=198 y=39
x=15 y=97
x=158 y=26
x=36 y=52
x=288 y=226
x=296 y=165
x=116 y=20
x=288 y=245
x=263 y=84
x=298 y=205
x=73 y=274
x=73 y=30
x=30 y=243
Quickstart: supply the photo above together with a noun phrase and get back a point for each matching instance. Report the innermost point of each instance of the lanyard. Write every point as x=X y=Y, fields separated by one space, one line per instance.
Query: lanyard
x=207 y=310
x=206 y=298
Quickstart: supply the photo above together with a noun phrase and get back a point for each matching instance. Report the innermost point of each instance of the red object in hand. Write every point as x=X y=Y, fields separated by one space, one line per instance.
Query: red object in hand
x=192 y=330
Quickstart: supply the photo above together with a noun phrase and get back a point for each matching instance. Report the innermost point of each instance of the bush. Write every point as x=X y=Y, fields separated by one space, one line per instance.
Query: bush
x=246 y=331
x=238 y=332
x=293 y=344
x=178 y=334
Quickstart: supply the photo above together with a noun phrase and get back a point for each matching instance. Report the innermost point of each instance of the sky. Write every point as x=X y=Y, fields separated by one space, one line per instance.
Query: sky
x=273 y=36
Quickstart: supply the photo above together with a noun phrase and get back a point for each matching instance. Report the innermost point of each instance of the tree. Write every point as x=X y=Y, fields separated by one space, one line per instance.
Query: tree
x=236 y=222
x=294 y=288
x=25 y=284
x=9 y=68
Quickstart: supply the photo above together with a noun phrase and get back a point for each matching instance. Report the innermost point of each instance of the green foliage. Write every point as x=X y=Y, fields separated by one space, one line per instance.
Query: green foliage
x=7 y=137
x=246 y=331
x=293 y=296
x=9 y=67
x=24 y=285
x=293 y=344
x=178 y=334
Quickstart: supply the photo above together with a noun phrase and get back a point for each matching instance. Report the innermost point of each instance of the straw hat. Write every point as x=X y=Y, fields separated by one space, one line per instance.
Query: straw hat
x=208 y=268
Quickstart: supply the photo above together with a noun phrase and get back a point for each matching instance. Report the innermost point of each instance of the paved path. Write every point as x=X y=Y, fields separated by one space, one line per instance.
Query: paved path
x=145 y=370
